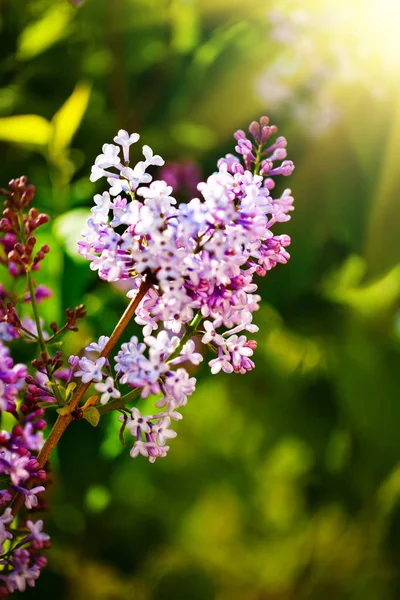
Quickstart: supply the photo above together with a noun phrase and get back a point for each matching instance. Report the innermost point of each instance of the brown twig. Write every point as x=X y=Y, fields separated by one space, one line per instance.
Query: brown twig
x=64 y=420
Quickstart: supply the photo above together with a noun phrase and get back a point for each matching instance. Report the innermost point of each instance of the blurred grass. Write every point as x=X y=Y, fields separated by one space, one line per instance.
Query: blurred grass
x=283 y=484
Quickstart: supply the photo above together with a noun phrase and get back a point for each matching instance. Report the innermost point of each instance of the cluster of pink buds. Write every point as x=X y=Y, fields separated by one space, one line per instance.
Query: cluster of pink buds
x=18 y=226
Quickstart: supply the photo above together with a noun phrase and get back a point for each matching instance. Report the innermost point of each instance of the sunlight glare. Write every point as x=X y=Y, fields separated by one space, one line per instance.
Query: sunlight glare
x=378 y=32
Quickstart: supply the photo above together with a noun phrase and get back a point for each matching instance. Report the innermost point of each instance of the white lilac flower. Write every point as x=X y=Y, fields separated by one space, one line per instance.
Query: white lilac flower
x=102 y=202
x=125 y=140
x=5 y=519
x=162 y=431
x=36 y=534
x=188 y=354
x=109 y=157
x=23 y=574
x=155 y=451
x=107 y=389
x=162 y=345
x=3 y=400
x=152 y=159
x=14 y=465
x=222 y=362
x=179 y=385
x=98 y=346
x=211 y=335
x=137 y=423
x=238 y=348
x=139 y=447
x=90 y=370
x=31 y=500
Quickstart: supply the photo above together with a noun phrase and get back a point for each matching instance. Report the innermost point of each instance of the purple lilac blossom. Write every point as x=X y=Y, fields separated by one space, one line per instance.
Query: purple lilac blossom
x=17 y=461
x=20 y=543
x=202 y=257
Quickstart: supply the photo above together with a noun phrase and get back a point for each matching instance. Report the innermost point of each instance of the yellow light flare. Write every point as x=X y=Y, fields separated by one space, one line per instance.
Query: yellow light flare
x=379 y=32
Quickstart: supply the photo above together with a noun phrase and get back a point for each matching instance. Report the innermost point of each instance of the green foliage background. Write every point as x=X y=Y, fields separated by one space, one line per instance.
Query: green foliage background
x=282 y=484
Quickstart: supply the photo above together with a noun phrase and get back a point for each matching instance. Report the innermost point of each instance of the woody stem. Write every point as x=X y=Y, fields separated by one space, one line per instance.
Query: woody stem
x=64 y=420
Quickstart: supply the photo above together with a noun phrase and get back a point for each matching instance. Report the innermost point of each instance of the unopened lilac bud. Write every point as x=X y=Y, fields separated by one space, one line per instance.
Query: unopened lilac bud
x=285 y=240
x=14 y=256
x=13 y=270
x=279 y=154
x=5 y=226
x=286 y=168
x=73 y=361
x=264 y=121
x=3 y=437
x=28 y=195
x=267 y=131
x=269 y=183
x=266 y=166
x=41 y=561
x=33 y=464
x=18 y=430
x=255 y=130
x=40 y=424
x=239 y=135
x=42 y=219
x=252 y=344
x=41 y=474
x=281 y=142
x=39 y=412
x=261 y=272
x=30 y=244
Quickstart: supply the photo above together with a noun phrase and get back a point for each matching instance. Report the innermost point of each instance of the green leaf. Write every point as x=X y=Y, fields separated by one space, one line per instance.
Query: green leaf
x=121 y=431
x=62 y=392
x=70 y=388
x=47 y=404
x=25 y=129
x=67 y=119
x=92 y=416
x=43 y=33
x=65 y=410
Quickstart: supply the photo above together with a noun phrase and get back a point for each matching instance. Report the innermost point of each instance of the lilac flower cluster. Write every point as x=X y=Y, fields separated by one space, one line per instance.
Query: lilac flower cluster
x=21 y=543
x=191 y=269
x=199 y=259
x=20 y=558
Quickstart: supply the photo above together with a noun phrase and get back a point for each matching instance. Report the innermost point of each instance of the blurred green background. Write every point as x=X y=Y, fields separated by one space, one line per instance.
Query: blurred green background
x=283 y=484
